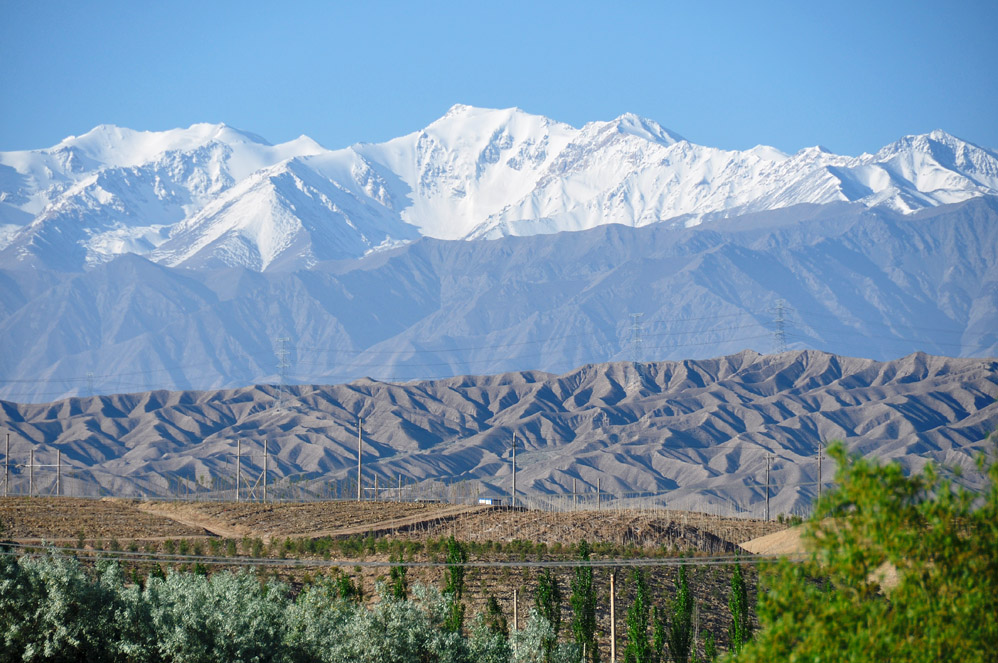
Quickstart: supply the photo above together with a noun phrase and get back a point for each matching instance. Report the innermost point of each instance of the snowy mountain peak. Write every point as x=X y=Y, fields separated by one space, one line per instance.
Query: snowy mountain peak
x=212 y=194
x=647 y=129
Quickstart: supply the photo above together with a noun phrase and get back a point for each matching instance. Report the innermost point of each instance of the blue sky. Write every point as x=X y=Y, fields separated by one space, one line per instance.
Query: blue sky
x=851 y=76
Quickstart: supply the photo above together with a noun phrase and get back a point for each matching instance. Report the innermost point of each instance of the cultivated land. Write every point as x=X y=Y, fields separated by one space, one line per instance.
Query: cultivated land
x=350 y=535
x=59 y=519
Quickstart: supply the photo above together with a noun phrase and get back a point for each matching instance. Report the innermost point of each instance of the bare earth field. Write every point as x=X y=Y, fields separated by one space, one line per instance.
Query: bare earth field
x=58 y=519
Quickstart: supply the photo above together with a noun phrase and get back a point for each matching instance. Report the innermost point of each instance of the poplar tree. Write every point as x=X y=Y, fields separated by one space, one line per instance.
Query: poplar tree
x=457 y=556
x=681 y=628
x=638 y=649
x=583 y=602
x=548 y=604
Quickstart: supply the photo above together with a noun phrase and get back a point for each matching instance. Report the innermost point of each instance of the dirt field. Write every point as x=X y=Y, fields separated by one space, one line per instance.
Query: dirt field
x=61 y=519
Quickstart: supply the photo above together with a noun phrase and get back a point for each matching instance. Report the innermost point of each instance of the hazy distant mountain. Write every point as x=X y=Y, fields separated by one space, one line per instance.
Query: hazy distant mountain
x=853 y=280
x=695 y=434
x=211 y=196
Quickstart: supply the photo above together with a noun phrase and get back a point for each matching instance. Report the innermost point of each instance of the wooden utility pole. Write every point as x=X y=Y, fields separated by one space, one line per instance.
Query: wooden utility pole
x=599 y=495
x=613 y=620
x=575 y=496
x=767 y=486
x=512 y=501
x=58 y=473
x=375 y=487
x=360 y=442
x=398 y=496
x=266 y=462
x=819 y=470
x=515 y=626
x=239 y=465
x=6 y=466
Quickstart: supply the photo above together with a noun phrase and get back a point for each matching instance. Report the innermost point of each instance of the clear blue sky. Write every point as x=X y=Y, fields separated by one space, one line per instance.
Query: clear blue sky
x=851 y=76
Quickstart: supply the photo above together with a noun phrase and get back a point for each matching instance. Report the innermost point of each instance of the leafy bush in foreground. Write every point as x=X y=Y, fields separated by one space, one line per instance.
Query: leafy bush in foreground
x=943 y=543
x=54 y=609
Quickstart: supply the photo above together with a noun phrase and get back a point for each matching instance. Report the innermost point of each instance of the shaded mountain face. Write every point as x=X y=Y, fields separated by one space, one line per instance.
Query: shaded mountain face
x=846 y=279
x=690 y=434
x=210 y=195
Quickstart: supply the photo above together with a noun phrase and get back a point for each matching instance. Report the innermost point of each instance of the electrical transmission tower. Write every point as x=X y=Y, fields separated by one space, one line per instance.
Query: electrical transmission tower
x=282 y=366
x=780 y=330
x=636 y=328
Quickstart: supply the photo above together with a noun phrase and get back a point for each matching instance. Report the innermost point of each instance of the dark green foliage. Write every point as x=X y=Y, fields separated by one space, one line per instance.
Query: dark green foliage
x=638 y=648
x=347 y=590
x=495 y=620
x=659 y=637
x=548 y=604
x=457 y=556
x=583 y=602
x=709 y=647
x=943 y=543
x=740 y=630
x=399 y=584
x=681 y=626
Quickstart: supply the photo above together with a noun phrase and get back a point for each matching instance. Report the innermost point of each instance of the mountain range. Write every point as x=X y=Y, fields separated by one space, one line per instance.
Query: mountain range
x=701 y=435
x=490 y=241
x=211 y=196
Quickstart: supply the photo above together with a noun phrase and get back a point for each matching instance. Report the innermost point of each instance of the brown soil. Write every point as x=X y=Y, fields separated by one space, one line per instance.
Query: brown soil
x=59 y=519
x=65 y=518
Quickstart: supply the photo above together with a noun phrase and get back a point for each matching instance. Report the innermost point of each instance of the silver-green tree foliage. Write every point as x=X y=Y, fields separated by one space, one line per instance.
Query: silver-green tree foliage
x=943 y=543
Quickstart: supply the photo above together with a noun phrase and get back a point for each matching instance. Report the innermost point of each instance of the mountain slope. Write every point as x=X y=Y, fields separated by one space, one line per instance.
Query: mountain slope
x=692 y=434
x=211 y=195
x=853 y=281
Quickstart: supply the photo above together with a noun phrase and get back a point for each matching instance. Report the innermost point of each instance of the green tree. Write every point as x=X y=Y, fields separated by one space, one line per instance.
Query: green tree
x=681 y=626
x=583 y=602
x=638 y=648
x=943 y=543
x=740 y=630
x=399 y=583
x=457 y=557
x=495 y=620
x=548 y=602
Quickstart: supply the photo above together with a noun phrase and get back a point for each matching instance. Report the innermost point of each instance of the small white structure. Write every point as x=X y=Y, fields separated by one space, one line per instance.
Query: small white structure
x=490 y=501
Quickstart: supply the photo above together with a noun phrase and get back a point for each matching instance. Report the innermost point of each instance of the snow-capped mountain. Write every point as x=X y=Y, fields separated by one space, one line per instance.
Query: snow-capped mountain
x=211 y=195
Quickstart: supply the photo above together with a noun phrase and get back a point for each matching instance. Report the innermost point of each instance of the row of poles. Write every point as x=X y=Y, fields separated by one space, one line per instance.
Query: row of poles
x=31 y=465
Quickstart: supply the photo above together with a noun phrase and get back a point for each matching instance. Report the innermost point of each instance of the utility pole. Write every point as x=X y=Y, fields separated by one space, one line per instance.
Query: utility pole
x=767 y=486
x=599 y=495
x=266 y=461
x=360 y=442
x=58 y=473
x=515 y=625
x=636 y=337
x=819 y=470
x=6 y=466
x=575 y=498
x=31 y=473
x=282 y=367
x=613 y=620
x=239 y=465
x=512 y=501
x=780 y=332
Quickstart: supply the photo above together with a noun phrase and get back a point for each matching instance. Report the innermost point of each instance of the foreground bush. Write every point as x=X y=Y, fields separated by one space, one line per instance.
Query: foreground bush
x=943 y=544
x=54 y=609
